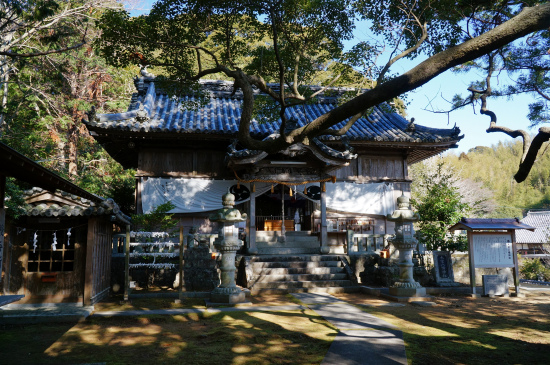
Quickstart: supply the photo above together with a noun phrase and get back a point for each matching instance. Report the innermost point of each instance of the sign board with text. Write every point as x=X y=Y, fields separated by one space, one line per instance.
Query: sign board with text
x=493 y=250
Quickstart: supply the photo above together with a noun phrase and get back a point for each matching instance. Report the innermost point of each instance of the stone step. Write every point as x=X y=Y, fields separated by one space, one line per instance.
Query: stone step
x=271 y=236
x=301 y=284
x=288 y=244
x=304 y=258
x=294 y=264
x=288 y=250
x=328 y=290
x=263 y=278
x=289 y=233
x=296 y=270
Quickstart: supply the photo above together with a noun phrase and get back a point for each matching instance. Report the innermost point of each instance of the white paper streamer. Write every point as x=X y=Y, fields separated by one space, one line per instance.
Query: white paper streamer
x=153 y=266
x=68 y=237
x=54 y=243
x=34 y=242
x=154 y=254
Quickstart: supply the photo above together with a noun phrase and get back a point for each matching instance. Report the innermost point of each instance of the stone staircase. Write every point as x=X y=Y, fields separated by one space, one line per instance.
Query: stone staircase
x=277 y=274
x=296 y=242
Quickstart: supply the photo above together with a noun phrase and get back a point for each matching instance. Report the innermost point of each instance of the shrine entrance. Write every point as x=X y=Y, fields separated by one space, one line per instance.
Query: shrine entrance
x=283 y=203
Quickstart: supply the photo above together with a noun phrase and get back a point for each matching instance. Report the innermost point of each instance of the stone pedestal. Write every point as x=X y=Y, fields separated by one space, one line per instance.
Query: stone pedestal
x=227 y=244
x=405 y=242
x=227 y=291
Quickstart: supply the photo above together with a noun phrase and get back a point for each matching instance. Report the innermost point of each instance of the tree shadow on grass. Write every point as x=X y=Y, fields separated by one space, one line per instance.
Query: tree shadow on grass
x=474 y=332
x=291 y=337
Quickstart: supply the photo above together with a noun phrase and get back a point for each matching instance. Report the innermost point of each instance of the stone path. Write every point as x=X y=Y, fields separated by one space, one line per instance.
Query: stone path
x=362 y=338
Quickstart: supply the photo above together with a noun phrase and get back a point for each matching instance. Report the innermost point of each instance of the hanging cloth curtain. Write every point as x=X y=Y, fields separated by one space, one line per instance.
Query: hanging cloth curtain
x=193 y=195
x=349 y=197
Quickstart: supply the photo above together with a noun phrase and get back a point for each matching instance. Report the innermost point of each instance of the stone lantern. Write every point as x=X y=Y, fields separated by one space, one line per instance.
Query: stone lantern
x=405 y=242
x=227 y=244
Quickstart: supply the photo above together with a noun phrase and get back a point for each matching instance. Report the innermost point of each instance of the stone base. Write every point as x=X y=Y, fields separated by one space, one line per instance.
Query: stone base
x=408 y=292
x=231 y=298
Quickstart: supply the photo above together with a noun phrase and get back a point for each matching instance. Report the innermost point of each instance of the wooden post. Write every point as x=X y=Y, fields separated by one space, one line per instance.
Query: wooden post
x=88 y=267
x=283 y=236
x=515 y=268
x=472 y=264
x=127 y=264
x=324 y=236
x=252 y=250
x=2 y=224
x=182 y=245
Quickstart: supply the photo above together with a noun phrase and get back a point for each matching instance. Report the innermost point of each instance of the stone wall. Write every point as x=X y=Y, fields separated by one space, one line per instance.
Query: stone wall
x=373 y=270
x=461 y=268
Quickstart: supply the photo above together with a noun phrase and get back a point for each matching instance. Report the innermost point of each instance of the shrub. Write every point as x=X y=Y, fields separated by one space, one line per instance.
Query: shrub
x=534 y=269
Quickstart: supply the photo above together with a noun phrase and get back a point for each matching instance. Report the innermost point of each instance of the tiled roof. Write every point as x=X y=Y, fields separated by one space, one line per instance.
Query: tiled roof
x=42 y=203
x=541 y=222
x=153 y=111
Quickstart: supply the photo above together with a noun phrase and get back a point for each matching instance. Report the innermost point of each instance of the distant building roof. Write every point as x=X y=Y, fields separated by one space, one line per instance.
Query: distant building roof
x=153 y=113
x=541 y=222
x=471 y=224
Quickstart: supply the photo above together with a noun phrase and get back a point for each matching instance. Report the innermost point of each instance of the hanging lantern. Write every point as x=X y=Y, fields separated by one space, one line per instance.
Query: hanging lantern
x=305 y=189
x=290 y=192
x=253 y=187
x=333 y=178
x=323 y=187
x=272 y=190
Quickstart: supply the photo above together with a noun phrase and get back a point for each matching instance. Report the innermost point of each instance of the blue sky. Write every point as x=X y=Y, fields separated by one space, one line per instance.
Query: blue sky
x=433 y=96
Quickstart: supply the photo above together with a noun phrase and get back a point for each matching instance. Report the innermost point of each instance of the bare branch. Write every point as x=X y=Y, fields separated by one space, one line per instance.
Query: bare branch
x=405 y=53
x=36 y=54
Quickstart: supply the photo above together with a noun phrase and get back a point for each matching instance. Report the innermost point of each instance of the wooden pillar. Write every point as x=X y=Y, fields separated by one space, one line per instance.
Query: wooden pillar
x=324 y=237
x=252 y=249
x=283 y=236
x=472 y=264
x=182 y=245
x=88 y=266
x=2 y=224
x=127 y=263
x=515 y=268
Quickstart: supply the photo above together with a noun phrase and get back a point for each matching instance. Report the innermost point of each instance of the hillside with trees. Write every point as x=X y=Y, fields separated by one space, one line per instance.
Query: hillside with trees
x=489 y=171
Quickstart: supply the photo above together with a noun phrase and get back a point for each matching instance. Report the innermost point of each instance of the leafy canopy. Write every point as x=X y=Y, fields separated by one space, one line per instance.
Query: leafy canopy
x=293 y=43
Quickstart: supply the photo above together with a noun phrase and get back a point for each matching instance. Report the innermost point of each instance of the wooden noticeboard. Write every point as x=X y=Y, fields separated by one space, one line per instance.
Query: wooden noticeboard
x=493 y=250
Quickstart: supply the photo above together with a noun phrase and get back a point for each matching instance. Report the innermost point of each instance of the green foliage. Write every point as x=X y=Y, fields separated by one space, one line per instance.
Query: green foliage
x=534 y=269
x=158 y=220
x=47 y=100
x=440 y=205
x=14 y=199
x=493 y=168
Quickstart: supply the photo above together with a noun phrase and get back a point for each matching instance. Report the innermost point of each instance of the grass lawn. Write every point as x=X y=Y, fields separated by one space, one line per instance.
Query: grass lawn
x=457 y=331
x=461 y=330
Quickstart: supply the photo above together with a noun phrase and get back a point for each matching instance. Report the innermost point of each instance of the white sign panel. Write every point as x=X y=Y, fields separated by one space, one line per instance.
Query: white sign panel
x=493 y=250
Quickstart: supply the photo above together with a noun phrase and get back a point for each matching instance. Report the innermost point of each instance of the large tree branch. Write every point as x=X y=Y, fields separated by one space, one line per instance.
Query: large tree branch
x=531 y=156
x=528 y=21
